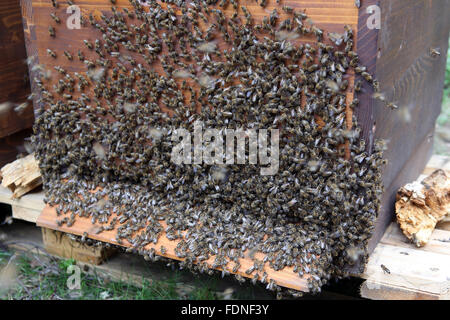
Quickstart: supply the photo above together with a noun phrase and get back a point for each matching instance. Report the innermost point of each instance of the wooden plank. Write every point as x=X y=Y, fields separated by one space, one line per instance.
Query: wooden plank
x=376 y=291
x=394 y=237
x=25 y=214
x=132 y=268
x=21 y=176
x=413 y=79
x=33 y=201
x=437 y=162
x=414 y=269
x=59 y=243
x=286 y=277
x=12 y=145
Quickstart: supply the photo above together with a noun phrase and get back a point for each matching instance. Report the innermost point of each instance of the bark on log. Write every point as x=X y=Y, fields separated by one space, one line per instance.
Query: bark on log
x=421 y=205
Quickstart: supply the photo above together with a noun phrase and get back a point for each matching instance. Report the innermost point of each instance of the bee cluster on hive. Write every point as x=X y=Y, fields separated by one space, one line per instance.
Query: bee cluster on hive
x=103 y=137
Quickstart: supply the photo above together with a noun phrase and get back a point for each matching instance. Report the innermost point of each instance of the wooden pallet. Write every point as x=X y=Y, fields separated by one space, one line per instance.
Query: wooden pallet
x=415 y=273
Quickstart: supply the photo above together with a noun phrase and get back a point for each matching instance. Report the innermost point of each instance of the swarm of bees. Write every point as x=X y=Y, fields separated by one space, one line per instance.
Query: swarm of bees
x=150 y=71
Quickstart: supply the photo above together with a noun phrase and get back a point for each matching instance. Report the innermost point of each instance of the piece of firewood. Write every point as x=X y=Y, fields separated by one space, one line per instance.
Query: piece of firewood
x=21 y=176
x=421 y=205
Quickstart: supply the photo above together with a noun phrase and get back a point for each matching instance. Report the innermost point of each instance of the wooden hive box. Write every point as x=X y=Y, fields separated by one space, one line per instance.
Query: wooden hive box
x=14 y=82
x=399 y=54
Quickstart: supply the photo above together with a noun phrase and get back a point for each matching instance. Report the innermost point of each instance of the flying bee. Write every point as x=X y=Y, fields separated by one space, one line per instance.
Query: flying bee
x=358 y=3
x=51 y=31
x=54 y=4
x=379 y=96
x=54 y=17
x=392 y=106
x=51 y=53
x=435 y=52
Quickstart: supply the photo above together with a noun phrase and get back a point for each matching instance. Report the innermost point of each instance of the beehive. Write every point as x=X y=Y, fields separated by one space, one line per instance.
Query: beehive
x=14 y=82
x=407 y=65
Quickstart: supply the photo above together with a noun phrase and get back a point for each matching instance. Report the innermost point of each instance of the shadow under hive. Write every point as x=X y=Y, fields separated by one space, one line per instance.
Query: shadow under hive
x=111 y=93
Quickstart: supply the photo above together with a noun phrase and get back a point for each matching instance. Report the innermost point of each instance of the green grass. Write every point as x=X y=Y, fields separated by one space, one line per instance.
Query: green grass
x=44 y=278
x=444 y=118
x=442 y=136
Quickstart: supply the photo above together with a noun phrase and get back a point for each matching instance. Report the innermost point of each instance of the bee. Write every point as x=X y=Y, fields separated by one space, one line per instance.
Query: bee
x=273 y=17
x=51 y=53
x=51 y=31
x=288 y=9
x=54 y=17
x=317 y=32
x=54 y=4
x=81 y=56
x=358 y=86
x=392 y=106
x=367 y=76
x=60 y=70
x=385 y=269
x=358 y=3
x=435 y=52
x=88 y=44
x=68 y=55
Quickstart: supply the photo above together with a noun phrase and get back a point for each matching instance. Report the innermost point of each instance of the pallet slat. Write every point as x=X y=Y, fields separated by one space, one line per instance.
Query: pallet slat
x=286 y=277
x=419 y=273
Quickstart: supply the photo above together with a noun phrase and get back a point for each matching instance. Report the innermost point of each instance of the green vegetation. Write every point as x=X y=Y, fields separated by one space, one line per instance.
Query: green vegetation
x=444 y=118
x=442 y=137
x=39 y=277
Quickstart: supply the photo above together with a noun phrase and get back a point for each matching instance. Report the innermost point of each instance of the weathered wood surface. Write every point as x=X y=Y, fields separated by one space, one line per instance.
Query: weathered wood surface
x=421 y=205
x=12 y=145
x=14 y=82
x=326 y=14
x=59 y=243
x=329 y=15
x=398 y=53
x=26 y=214
x=411 y=77
x=21 y=176
x=286 y=277
x=27 y=208
x=413 y=273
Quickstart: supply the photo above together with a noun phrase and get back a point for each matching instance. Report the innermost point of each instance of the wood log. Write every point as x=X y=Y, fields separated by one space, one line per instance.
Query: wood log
x=21 y=176
x=421 y=205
